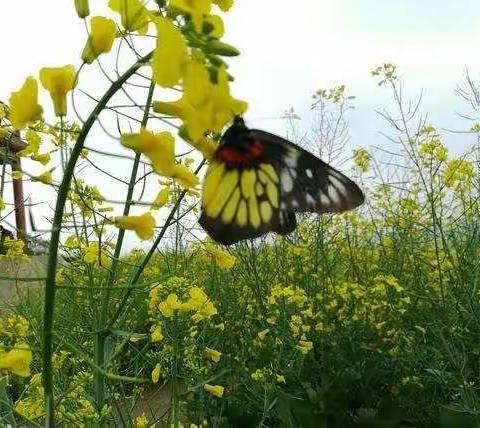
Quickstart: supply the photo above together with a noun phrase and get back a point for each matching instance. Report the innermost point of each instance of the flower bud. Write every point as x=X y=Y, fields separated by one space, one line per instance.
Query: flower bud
x=83 y=10
x=219 y=48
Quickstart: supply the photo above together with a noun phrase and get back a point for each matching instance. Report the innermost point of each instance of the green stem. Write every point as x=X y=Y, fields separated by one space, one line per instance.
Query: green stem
x=96 y=368
x=49 y=303
x=6 y=412
x=101 y=336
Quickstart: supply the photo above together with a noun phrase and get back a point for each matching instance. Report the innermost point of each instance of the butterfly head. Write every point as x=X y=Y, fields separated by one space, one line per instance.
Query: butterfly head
x=235 y=134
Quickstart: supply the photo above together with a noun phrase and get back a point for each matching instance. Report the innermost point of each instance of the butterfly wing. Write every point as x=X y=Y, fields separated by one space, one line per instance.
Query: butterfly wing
x=241 y=203
x=307 y=184
x=257 y=181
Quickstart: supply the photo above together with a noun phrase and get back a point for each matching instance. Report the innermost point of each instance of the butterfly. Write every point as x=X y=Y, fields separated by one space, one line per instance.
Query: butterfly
x=257 y=181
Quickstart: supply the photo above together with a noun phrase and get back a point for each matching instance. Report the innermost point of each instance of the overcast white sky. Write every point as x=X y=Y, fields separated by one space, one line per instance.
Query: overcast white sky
x=289 y=50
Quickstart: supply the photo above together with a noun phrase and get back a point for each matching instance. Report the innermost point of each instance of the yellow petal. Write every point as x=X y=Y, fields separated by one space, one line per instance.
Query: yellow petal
x=159 y=148
x=215 y=390
x=161 y=199
x=24 y=107
x=213 y=354
x=43 y=158
x=170 y=55
x=103 y=32
x=195 y=9
x=215 y=25
x=184 y=176
x=45 y=178
x=134 y=15
x=17 y=361
x=59 y=81
x=143 y=225
x=156 y=373
x=196 y=83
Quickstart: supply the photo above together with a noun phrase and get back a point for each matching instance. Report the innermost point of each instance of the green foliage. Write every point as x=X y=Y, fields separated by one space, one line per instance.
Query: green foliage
x=365 y=319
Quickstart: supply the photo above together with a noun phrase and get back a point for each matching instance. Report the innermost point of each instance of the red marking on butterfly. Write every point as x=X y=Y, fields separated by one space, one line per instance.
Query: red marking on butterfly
x=234 y=157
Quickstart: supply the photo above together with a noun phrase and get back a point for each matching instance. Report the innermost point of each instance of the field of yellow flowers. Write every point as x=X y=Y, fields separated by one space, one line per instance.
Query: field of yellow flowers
x=365 y=319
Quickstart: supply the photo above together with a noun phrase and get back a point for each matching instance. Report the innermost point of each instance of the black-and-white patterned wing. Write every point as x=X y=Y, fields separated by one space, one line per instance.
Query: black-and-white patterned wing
x=307 y=184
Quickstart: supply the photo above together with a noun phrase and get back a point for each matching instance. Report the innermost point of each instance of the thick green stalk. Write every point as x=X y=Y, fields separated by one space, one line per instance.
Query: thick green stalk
x=100 y=337
x=49 y=304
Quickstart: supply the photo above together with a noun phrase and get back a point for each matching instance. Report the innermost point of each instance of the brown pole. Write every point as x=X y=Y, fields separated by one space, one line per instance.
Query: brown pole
x=19 y=201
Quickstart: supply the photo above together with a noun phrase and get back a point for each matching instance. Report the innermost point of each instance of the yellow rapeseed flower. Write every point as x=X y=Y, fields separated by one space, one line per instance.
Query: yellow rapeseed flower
x=59 y=81
x=224 y=260
x=134 y=15
x=161 y=198
x=14 y=325
x=183 y=175
x=262 y=334
x=215 y=24
x=212 y=114
x=43 y=158
x=92 y=255
x=258 y=375
x=156 y=335
x=196 y=82
x=195 y=9
x=159 y=148
x=143 y=225
x=272 y=320
x=458 y=174
x=362 y=159
x=213 y=354
x=141 y=421
x=156 y=373
x=23 y=104
x=170 y=55
x=197 y=299
x=170 y=305
x=223 y=106
x=103 y=32
x=304 y=346
x=33 y=143
x=17 y=360
x=215 y=390
x=45 y=178
x=200 y=304
x=206 y=146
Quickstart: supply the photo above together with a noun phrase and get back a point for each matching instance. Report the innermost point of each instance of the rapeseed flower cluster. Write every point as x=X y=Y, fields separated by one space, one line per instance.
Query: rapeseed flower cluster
x=210 y=252
x=15 y=354
x=75 y=408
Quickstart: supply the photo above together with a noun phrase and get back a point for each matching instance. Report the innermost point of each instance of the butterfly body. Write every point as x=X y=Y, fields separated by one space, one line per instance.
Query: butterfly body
x=256 y=182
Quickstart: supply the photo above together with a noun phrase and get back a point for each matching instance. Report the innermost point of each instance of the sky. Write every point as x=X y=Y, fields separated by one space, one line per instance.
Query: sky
x=288 y=51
